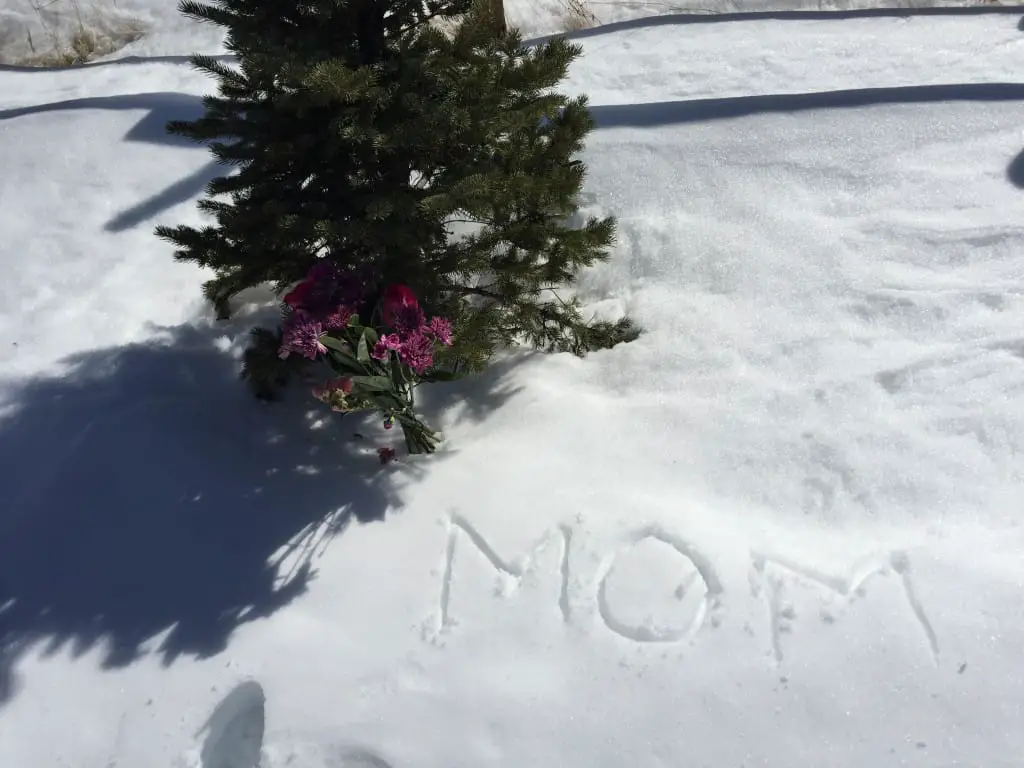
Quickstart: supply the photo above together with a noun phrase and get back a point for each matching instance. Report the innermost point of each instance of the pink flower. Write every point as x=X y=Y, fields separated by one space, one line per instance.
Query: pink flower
x=417 y=351
x=396 y=297
x=385 y=344
x=338 y=320
x=441 y=329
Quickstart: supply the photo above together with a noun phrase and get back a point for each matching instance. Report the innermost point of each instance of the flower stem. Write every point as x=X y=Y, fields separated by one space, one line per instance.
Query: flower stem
x=418 y=437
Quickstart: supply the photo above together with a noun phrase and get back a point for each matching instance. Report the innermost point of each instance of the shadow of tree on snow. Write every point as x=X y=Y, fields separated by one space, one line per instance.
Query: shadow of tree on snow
x=118 y=62
x=148 y=492
x=654 y=114
x=703 y=17
x=162 y=106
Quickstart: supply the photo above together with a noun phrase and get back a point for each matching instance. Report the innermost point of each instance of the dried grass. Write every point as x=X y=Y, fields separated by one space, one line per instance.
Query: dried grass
x=95 y=31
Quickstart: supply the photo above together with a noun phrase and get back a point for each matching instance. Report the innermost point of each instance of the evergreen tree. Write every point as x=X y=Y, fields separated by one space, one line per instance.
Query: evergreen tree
x=362 y=134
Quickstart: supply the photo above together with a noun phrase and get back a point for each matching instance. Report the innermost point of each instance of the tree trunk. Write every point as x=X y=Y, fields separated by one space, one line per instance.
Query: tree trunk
x=496 y=10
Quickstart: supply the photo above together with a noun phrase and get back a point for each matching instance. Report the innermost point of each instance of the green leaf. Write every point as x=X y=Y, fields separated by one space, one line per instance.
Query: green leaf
x=373 y=383
x=398 y=376
x=366 y=342
x=332 y=343
x=348 y=362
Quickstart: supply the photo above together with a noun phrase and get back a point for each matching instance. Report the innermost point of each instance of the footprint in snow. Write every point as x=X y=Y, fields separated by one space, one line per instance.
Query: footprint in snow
x=234 y=730
x=233 y=737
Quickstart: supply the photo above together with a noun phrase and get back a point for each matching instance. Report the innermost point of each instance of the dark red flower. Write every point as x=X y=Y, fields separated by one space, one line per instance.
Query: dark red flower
x=396 y=298
x=297 y=296
x=385 y=455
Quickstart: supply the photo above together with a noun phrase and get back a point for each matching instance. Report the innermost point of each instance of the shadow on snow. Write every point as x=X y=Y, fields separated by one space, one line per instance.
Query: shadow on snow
x=151 y=129
x=684 y=19
x=1015 y=171
x=20 y=69
x=162 y=106
x=182 y=191
x=147 y=492
x=702 y=110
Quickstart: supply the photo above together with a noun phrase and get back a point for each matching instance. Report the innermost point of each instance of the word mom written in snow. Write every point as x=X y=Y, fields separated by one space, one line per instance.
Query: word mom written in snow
x=699 y=589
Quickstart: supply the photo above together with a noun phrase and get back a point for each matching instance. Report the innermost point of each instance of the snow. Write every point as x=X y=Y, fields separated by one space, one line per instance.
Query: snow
x=780 y=529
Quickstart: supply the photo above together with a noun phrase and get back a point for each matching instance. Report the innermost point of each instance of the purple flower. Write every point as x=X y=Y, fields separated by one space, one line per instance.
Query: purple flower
x=324 y=271
x=327 y=289
x=407 y=318
x=384 y=345
x=417 y=351
x=351 y=287
x=441 y=330
x=302 y=334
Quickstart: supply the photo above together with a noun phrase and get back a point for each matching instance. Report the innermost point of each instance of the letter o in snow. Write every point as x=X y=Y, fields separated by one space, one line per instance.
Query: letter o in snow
x=654 y=591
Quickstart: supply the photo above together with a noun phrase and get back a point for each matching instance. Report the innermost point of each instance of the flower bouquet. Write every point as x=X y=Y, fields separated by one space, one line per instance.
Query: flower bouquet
x=378 y=349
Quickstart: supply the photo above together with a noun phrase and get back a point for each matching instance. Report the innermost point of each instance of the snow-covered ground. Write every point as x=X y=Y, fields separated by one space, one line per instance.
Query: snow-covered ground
x=780 y=529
